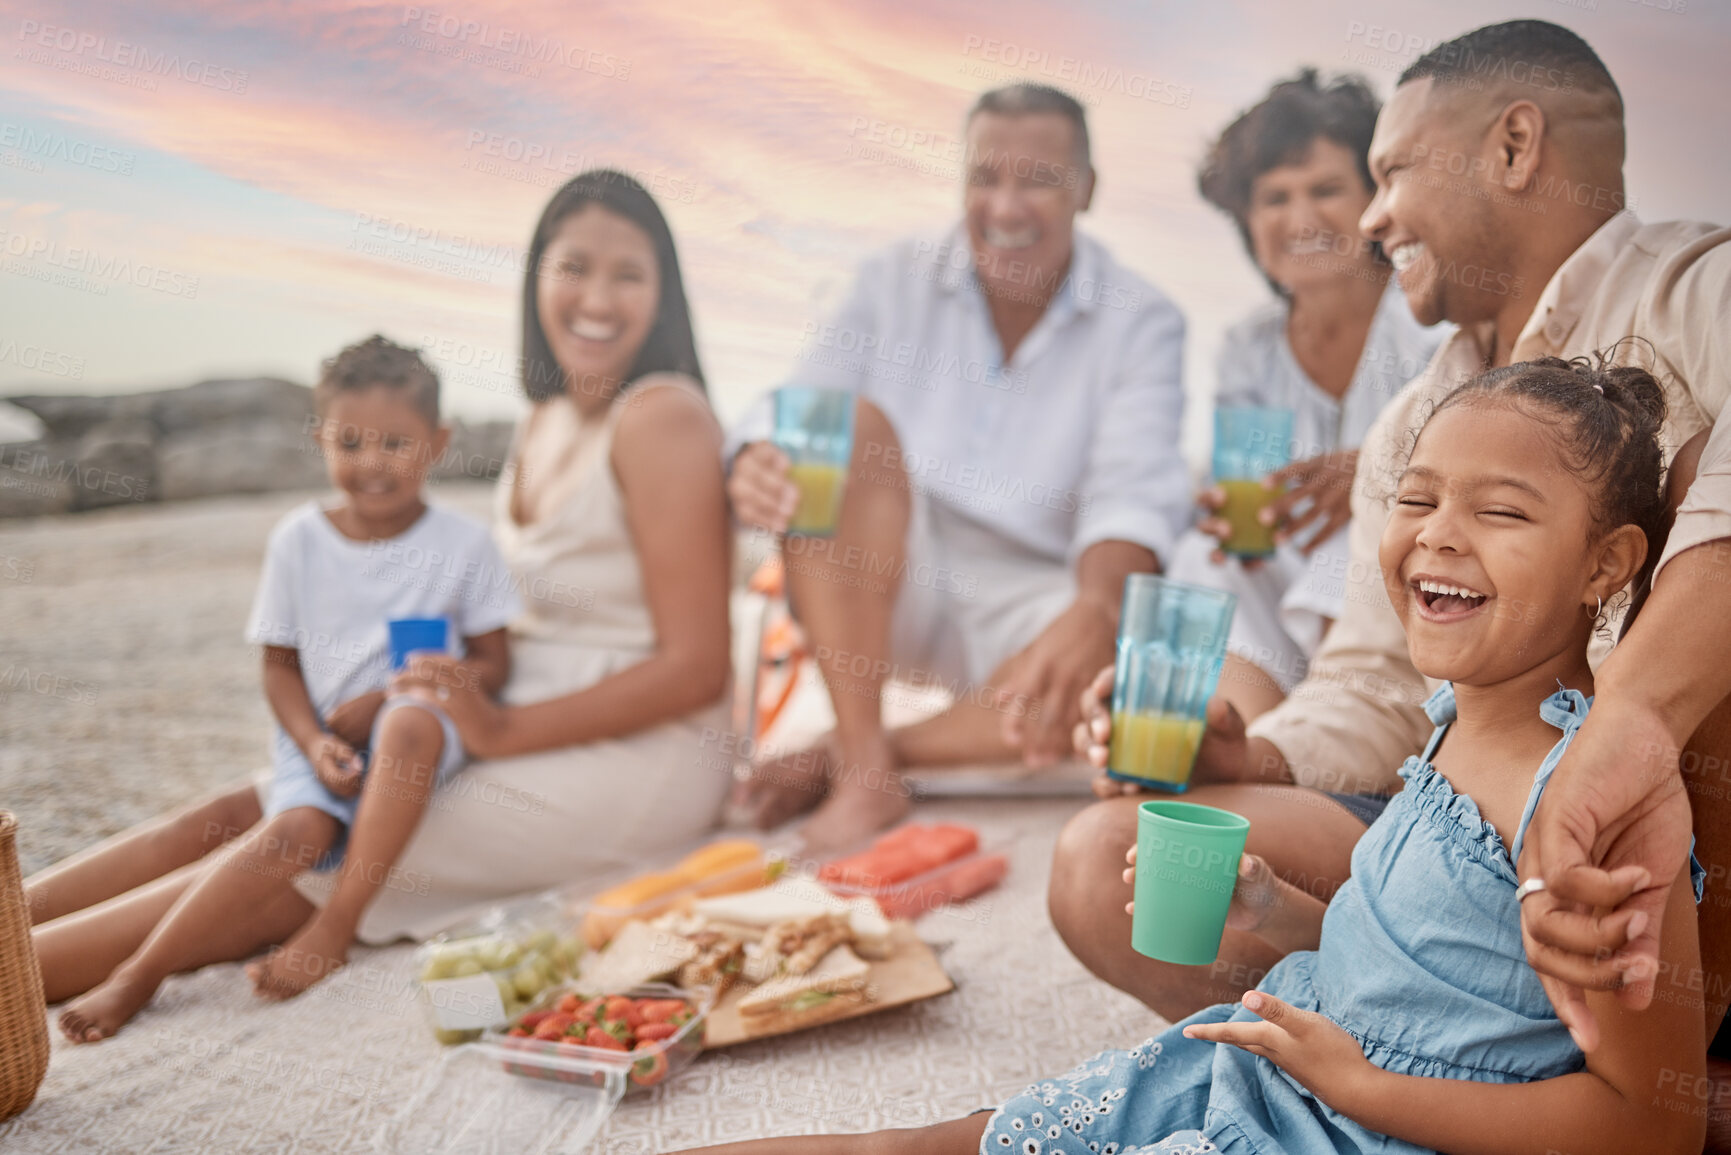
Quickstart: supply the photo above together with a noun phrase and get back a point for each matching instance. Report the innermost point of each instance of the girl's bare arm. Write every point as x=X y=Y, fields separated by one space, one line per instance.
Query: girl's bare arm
x=1640 y=1091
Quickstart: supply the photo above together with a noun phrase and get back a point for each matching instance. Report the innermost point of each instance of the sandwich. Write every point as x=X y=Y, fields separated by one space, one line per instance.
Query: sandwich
x=720 y=960
x=750 y=914
x=801 y=943
x=833 y=988
x=640 y=952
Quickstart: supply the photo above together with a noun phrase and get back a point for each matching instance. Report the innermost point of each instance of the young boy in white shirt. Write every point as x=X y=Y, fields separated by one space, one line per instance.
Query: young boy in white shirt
x=353 y=765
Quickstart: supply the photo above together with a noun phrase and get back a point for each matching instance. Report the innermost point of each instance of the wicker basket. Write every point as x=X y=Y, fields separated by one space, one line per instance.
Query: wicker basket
x=23 y=1016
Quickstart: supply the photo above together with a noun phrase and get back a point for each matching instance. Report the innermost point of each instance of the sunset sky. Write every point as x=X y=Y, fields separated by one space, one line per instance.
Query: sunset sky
x=234 y=174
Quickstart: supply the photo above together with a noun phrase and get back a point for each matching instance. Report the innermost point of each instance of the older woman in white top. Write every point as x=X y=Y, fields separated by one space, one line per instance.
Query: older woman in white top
x=1334 y=347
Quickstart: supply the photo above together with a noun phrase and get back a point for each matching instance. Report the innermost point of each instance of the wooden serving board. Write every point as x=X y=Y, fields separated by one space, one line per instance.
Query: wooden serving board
x=910 y=973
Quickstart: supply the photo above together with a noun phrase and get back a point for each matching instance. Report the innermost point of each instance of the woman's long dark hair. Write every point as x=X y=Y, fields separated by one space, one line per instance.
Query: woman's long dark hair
x=670 y=346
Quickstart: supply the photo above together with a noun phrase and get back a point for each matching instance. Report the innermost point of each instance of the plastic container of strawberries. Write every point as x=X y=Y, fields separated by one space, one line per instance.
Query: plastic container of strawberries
x=516 y=1096
x=634 y=1071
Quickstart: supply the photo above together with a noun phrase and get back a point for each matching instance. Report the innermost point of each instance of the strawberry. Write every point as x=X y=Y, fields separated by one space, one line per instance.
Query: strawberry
x=659 y=1010
x=552 y=1026
x=534 y=1019
x=649 y=1070
x=617 y=1007
x=569 y=1004
x=650 y=1032
x=518 y=1033
x=600 y=1038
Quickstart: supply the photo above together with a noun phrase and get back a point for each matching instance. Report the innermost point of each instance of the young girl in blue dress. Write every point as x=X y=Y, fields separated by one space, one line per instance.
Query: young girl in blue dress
x=1406 y=1018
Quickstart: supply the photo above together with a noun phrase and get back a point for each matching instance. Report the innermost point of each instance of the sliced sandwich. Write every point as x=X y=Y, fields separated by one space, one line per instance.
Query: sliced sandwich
x=795 y=899
x=639 y=953
x=837 y=985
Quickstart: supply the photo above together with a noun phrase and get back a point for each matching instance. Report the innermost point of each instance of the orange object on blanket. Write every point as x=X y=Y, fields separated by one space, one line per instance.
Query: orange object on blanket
x=953 y=883
x=903 y=853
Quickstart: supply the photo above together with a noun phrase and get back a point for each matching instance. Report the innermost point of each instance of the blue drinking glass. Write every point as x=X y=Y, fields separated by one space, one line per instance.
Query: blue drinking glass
x=814 y=427
x=1171 y=645
x=1249 y=444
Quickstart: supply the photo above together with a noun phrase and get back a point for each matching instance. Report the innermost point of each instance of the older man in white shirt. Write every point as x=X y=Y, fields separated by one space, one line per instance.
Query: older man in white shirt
x=1016 y=456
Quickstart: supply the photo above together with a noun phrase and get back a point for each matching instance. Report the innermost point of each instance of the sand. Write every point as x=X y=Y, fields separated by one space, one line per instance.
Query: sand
x=126 y=688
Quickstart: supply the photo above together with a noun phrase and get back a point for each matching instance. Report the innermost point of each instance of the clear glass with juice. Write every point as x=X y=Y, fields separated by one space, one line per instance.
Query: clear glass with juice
x=1171 y=645
x=820 y=490
x=814 y=427
x=1249 y=444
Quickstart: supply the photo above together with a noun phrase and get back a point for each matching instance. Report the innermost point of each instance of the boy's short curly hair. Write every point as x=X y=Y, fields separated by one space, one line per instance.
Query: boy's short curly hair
x=375 y=363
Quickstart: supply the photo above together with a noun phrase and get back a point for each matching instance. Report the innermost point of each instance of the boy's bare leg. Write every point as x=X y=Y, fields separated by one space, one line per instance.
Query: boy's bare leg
x=242 y=900
x=141 y=854
x=955 y=1137
x=1304 y=835
x=844 y=590
x=399 y=782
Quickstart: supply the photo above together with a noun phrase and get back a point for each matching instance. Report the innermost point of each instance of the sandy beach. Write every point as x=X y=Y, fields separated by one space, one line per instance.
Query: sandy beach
x=126 y=687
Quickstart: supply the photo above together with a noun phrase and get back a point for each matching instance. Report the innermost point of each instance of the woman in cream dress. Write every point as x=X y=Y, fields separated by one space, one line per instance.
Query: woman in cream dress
x=612 y=521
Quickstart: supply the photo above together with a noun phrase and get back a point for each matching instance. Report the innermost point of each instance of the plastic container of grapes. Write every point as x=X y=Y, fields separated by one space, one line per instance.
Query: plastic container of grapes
x=515 y=1096
x=484 y=972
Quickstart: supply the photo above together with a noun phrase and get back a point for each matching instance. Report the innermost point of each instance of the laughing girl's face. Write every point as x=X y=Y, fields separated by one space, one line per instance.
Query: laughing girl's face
x=1489 y=557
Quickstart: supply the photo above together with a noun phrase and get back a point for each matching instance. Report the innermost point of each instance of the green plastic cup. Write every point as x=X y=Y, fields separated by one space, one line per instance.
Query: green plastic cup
x=1186 y=867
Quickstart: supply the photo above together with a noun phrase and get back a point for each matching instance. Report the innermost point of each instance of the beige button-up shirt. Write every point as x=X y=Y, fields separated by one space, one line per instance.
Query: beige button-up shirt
x=1359 y=712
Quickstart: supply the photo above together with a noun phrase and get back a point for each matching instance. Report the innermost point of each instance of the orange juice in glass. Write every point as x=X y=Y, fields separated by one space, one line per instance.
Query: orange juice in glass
x=1249 y=444
x=814 y=427
x=1171 y=645
x=820 y=489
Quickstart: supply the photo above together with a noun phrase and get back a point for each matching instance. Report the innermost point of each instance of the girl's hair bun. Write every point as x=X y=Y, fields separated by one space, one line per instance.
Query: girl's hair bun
x=1608 y=418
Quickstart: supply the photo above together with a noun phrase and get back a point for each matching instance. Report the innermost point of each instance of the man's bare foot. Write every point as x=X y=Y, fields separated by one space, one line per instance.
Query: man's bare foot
x=316 y=951
x=105 y=1008
x=866 y=794
x=785 y=787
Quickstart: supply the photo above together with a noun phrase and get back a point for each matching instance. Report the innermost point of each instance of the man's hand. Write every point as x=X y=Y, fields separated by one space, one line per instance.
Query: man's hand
x=759 y=489
x=1316 y=1051
x=353 y=720
x=1223 y=756
x=1611 y=834
x=336 y=764
x=1042 y=684
x=1326 y=482
x=456 y=689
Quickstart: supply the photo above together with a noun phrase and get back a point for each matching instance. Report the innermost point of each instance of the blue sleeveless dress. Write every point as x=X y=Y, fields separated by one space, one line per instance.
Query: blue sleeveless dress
x=1420 y=960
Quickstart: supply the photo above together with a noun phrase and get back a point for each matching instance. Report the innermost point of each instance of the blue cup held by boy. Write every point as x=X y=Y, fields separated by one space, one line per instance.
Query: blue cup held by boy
x=413 y=635
x=1186 y=870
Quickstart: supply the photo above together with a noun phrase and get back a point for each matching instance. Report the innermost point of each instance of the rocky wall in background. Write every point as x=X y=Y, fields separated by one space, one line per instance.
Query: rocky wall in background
x=206 y=440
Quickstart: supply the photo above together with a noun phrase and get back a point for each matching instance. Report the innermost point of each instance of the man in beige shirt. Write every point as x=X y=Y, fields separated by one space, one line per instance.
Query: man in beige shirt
x=1498 y=164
